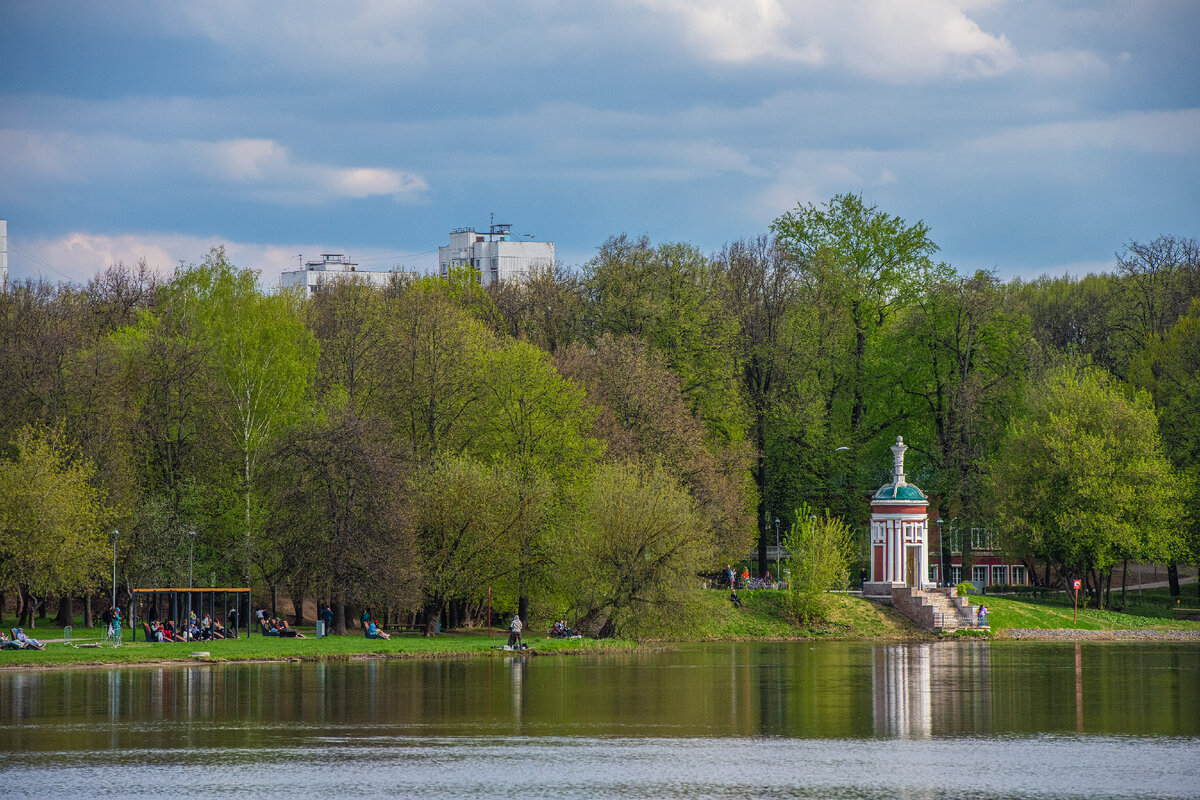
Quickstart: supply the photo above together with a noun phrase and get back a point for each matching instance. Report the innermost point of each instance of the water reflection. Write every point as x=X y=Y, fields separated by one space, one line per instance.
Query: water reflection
x=900 y=678
x=792 y=690
x=926 y=689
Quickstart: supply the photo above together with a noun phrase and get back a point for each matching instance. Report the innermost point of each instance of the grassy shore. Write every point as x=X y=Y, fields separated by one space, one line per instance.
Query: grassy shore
x=269 y=648
x=1155 y=611
x=763 y=617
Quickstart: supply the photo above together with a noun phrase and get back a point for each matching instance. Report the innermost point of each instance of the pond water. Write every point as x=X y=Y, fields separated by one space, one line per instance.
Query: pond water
x=787 y=720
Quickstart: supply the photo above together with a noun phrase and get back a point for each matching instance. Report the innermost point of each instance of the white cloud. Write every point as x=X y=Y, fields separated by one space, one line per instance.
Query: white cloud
x=313 y=35
x=264 y=167
x=738 y=31
x=389 y=39
x=78 y=256
x=881 y=39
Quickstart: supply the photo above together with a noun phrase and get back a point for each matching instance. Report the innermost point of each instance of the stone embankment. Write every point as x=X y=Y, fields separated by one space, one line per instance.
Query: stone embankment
x=1070 y=635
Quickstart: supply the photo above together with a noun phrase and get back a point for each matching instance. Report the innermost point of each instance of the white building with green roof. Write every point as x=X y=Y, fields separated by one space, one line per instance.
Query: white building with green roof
x=899 y=534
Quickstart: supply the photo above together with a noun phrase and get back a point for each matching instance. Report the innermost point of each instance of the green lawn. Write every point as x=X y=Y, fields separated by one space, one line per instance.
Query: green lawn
x=763 y=616
x=1057 y=612
x=259 y=648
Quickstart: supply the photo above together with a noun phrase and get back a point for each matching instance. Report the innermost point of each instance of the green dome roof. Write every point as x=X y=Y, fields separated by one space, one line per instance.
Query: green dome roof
x=905 y=491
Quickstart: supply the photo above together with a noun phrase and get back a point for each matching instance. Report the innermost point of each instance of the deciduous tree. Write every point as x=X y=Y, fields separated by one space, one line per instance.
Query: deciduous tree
x=1080 y=478
x=53 y=521
x=635 y=552
x=820 y=550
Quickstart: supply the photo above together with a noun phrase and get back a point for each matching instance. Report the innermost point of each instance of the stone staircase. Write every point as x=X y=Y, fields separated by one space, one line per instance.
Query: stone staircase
x=935 y=609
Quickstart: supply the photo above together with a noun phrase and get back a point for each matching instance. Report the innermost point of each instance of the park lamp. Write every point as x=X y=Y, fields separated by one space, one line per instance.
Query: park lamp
x=941 y=572
x=777 y=549
x=115 y=534
x=191 y=553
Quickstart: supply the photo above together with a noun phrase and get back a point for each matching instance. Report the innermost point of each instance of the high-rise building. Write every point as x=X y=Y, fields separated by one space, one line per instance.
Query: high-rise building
x=334 y=267
x=496 y=253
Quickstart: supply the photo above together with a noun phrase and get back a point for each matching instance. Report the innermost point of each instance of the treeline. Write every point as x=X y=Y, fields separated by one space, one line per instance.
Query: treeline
x=588 y=441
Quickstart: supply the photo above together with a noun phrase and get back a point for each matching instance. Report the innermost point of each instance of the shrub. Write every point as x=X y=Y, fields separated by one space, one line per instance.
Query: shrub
x=965 y=588
x=821 y=551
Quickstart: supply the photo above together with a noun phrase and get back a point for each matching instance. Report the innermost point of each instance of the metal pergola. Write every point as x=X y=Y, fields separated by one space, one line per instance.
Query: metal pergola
x=181 y=601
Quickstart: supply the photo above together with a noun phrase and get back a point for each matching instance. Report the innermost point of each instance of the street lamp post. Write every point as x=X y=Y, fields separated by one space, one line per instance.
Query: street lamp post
x=115 y=534
x=777 y=549
x=941 y=572
x=812 y=519
x=191 y=552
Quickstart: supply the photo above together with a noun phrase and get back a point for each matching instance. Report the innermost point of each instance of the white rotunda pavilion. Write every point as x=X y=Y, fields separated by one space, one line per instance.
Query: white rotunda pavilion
x=899 y=534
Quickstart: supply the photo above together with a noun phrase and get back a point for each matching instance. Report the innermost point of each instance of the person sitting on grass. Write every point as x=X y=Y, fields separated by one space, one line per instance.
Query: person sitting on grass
x=281 y=628
x=26 y=641
x=733 y=598
x=560 y=630
x=210 y=631
x=374 y=631
x=268 y=627
x=9 y=644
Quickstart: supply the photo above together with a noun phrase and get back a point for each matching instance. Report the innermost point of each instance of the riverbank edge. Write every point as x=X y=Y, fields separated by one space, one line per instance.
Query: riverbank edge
x=1122 y=635
x=1144 y=635
x=610 y=646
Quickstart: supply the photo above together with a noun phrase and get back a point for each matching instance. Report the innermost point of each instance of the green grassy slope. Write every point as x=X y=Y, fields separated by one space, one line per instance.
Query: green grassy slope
x=1055 y=613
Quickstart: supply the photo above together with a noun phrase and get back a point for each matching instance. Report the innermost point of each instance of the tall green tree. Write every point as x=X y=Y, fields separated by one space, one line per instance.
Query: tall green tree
x=429 y=387
x=53 y=520
x=1080 y=479
x=761 y=290
x=856 y=268
x=877 y=261
x=537 y=424
x=468 y=520
x=644 y=417
x=1156 y=283
x=264 y=358
x=670 y=296
x=632 y=560
x=338 y=524
x=348 y=319
x=966 y=357
x=1169 y=369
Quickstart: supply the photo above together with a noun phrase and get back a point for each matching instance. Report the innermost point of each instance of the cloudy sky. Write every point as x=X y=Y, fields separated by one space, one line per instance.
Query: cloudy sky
x=1031 y=136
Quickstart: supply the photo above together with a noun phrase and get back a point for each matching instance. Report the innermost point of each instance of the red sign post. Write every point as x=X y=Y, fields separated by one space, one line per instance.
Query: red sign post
x=1076 y=587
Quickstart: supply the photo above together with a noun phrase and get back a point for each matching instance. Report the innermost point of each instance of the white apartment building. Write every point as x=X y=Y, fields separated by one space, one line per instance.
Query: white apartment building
x=335 y=266
x=496 y=253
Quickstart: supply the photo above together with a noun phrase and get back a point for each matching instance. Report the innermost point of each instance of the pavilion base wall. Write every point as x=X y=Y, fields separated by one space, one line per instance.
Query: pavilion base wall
x=909 y=602
x=880 y=591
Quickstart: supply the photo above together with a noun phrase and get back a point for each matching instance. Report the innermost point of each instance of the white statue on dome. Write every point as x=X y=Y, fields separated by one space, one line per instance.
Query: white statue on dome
x=898 y=453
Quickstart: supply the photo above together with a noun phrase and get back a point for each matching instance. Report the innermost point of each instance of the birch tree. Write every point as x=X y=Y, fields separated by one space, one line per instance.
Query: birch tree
x=264 y=357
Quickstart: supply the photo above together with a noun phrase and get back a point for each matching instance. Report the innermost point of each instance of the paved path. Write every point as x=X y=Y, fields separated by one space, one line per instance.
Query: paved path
x=1062 y=634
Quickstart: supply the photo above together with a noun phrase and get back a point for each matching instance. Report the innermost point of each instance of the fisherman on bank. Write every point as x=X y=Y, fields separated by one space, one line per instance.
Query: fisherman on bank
x=514 y=632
